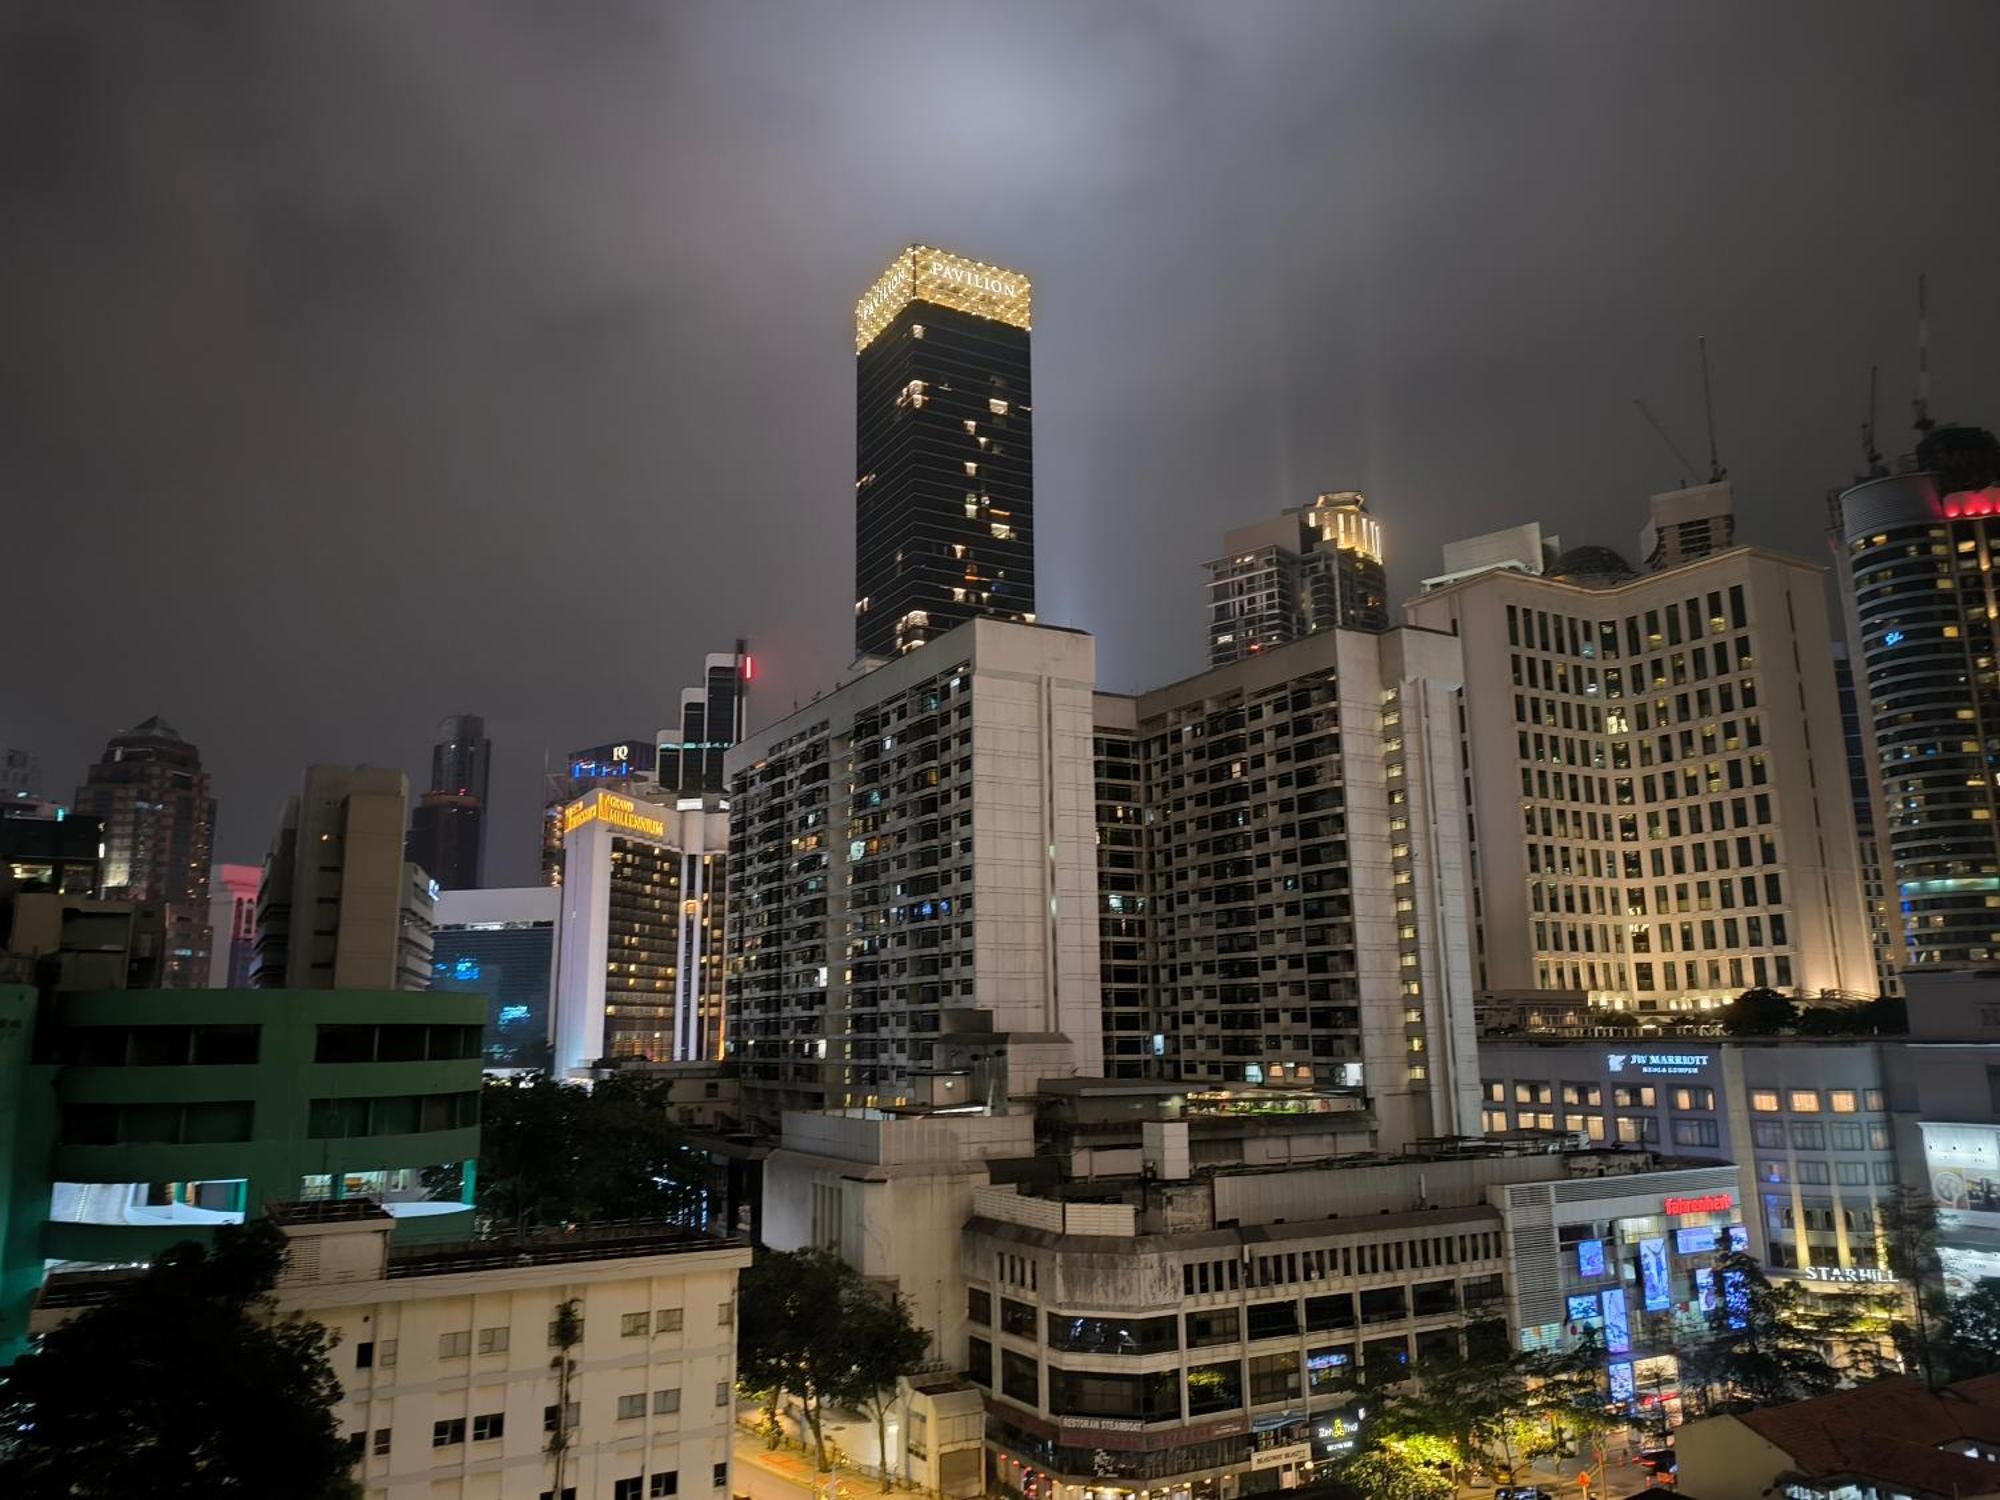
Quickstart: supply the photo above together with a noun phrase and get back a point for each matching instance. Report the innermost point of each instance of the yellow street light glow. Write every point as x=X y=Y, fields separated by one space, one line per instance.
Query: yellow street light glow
x=923 y=274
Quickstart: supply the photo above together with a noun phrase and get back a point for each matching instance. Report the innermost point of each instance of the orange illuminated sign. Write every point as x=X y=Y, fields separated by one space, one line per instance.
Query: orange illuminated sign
x=619 y=812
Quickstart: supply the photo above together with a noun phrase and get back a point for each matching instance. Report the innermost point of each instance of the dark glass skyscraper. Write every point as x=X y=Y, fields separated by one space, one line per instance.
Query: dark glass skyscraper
x=944 y=451
x=448 y=826
x=711 y=721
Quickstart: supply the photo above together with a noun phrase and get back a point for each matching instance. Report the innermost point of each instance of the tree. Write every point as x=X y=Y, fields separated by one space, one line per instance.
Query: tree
x=554 y=1153
x=1759 y=1012
x=1565 y=1388
x=793 y=1336
x=1907 y=1225
x=1453 y=1414
x=182 y=1383
x=884 y=1345
x=1832 y=1020
x=1887 y=1015
x=566 y=1334
x=1377 y=1474
x=1968 y=1330
x=1767 y=1341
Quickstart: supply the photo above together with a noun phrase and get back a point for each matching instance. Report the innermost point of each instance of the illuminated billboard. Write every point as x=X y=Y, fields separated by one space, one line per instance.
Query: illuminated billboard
x=619 y=812
x=1590 y=1258
x=1653 y=1275
x=922 y=274
x=1617 y=1333
x=1963 y=1164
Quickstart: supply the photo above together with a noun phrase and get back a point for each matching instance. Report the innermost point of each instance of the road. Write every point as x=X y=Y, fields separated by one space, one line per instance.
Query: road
x=788 y=1475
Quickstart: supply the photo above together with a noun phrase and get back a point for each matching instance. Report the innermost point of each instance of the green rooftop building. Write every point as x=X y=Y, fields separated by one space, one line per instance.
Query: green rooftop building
x=133 y=1119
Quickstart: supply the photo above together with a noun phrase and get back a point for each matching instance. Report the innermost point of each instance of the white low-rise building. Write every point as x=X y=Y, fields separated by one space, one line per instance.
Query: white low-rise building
x=449 y=1359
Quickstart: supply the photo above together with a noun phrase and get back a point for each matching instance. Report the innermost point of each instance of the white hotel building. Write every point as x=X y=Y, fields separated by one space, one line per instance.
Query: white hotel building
x=639 y=968
x=1657 y=779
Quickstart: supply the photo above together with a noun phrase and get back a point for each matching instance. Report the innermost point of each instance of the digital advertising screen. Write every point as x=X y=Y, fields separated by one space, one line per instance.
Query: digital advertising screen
x=1590 y=1258
x=1704 y=1289
x=1739 y=1239
x=1964 y=1166
x=1736 y=1298
x=1583 y=1310
x=1653 y=1275
x=1695 y=1241
x=1617 y=1335
x=1621 y=1382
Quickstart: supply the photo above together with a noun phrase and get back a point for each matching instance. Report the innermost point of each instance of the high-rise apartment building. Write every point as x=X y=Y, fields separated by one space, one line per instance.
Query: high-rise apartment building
x=944 y=451
x=1660 y=805
x=690 y=753
x=502 y=944
x=1286 y=892
x=153 y=797
x=640 y=966
x=1316 y=567
x=339 y=907
x=913 y=881
x=448 y=827
x=628 y=764
x=1916 y=553
x=232 y=921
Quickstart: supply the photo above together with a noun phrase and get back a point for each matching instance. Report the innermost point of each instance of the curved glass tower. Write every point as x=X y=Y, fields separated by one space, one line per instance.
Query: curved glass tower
x=1917 y=551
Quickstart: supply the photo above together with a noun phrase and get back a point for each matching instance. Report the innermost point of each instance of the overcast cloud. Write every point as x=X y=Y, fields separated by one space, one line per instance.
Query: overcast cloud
x=360 y=363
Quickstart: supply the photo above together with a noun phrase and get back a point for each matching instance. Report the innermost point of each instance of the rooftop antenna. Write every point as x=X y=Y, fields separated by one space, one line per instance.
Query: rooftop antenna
x=1871 y=455
x=1672 y=447
x=1715 y=469
x=1923 y=401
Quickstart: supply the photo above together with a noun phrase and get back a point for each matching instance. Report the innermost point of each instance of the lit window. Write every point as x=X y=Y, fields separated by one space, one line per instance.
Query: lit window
x=1764 y=1101
x=995 y=405
x=1805 y=1101
x=1842 y=1101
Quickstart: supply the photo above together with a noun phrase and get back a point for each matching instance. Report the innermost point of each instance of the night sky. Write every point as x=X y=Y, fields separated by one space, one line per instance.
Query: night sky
x=361 y=363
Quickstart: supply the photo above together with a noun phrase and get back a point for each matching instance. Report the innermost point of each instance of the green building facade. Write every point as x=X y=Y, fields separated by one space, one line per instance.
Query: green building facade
x=133 y=1119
